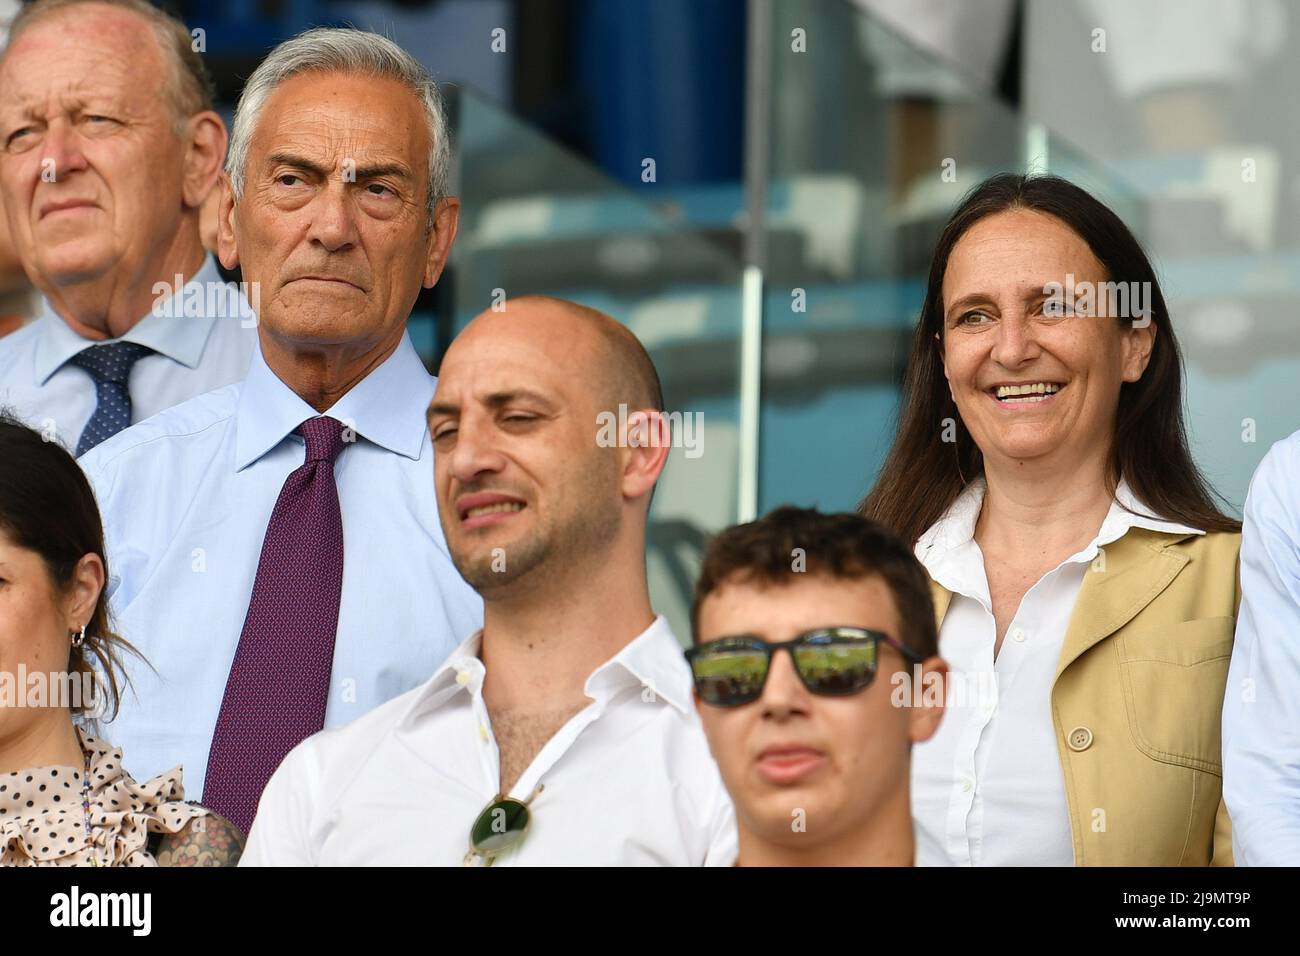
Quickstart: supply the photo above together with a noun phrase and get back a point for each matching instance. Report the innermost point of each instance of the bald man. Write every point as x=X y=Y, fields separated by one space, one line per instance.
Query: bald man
x=573 y=704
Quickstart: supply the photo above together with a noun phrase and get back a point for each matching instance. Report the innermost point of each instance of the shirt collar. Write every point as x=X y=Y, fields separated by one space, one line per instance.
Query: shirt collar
x=955 y=531
x=165 y=328
x=1128 y=512
x=956 y=528
x=652 y=663
x=387 y=407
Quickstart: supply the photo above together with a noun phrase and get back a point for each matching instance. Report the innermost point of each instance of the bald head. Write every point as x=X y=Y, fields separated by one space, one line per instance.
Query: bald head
x=539 y=472
x=609 y=351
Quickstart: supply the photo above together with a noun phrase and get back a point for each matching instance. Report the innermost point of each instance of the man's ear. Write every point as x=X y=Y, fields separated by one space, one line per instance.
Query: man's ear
x=226 y=249
x=205 y=151
x=446 y=220
x=924 y=720
x=644 y=450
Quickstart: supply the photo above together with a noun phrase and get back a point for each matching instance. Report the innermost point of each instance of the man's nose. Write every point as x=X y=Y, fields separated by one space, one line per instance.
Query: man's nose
x=475 y=453
x=61 y=152
x=333 y=223
x=784 y=693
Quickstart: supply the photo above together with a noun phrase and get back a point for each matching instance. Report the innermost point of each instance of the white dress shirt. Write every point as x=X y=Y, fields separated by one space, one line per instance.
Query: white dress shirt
x=1261 y=706
x=627 y=781
x=187 y=497
x=987 y=788
x=195 y=349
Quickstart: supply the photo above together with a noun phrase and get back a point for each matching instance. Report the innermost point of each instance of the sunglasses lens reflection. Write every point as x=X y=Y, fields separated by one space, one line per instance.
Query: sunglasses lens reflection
x=729 y=672
x=840 y=666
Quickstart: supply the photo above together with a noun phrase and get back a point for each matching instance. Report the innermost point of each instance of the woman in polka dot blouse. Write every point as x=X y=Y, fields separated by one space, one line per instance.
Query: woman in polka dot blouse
x=65 y=797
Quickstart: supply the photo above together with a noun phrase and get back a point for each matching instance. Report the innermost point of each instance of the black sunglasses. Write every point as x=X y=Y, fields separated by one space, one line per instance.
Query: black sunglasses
x=831 y=661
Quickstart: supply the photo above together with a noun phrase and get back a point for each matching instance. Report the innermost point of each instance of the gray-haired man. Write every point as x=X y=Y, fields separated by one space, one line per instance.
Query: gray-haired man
x=101 y=183
x=285 y=570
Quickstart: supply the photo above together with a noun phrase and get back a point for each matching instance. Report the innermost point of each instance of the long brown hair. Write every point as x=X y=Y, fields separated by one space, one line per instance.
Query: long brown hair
x=923 y=474
x=48 y=507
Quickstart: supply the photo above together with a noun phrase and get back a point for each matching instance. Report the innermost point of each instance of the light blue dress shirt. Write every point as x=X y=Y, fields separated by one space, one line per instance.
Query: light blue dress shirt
x=187 y=497
x=203 y=336
x=1261 y=708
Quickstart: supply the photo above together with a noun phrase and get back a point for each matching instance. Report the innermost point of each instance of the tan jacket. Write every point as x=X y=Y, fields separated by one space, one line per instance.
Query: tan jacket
x=1137 y=697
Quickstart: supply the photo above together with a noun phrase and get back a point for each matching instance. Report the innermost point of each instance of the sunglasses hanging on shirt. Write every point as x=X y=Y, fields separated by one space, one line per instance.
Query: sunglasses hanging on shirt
x=499 y=828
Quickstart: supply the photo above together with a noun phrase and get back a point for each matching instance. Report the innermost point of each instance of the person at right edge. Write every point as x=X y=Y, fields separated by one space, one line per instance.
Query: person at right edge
x=1085 y=581
x=1261 y=710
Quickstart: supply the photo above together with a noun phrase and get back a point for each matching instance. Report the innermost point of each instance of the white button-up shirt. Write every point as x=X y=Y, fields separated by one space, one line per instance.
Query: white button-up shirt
x=187 y=498
x=202 y=338
x=627 y=781
x=987 y=788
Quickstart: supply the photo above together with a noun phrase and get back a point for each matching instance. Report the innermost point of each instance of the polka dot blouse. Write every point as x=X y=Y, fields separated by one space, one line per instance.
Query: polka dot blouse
x=43 y=823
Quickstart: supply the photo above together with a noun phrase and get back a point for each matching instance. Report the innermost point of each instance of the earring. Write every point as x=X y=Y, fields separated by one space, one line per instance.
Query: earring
x=79 y=639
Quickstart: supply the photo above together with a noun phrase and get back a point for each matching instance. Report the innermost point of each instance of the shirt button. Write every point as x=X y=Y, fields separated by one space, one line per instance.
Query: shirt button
x=1018 y=636
x=1080 y=738
x=462 y=678
x=482 y=732
x=967 y=784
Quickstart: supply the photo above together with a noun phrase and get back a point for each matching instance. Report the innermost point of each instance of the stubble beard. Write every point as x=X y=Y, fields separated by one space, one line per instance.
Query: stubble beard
x=548 y=554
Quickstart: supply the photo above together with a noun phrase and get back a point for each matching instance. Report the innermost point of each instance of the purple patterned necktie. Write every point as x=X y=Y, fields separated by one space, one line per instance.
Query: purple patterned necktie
x=276 y=693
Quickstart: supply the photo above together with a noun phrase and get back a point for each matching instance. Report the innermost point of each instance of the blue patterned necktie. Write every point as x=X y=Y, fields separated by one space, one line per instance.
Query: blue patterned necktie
x=110 y=366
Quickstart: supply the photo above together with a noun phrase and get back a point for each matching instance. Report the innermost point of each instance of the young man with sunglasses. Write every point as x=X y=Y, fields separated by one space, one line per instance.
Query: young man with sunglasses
x=572 y=707
x=816 y=668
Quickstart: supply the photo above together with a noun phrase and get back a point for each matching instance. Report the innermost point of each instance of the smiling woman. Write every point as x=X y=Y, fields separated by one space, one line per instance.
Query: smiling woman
x=934 y=454
x=1042 y=471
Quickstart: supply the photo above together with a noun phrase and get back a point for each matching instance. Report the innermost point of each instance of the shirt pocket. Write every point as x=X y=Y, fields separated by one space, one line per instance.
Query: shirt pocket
x=1174 y=679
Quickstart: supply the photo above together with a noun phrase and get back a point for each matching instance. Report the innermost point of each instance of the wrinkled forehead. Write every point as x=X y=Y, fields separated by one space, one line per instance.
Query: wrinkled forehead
x=82 y=52
x=333 y=117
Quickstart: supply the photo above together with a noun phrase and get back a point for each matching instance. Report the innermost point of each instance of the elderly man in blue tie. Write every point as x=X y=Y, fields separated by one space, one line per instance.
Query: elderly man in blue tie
x=101 y=183
x=275 y=544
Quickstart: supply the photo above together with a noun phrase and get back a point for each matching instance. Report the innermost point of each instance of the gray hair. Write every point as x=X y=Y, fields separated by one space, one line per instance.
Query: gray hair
x=340 y=50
